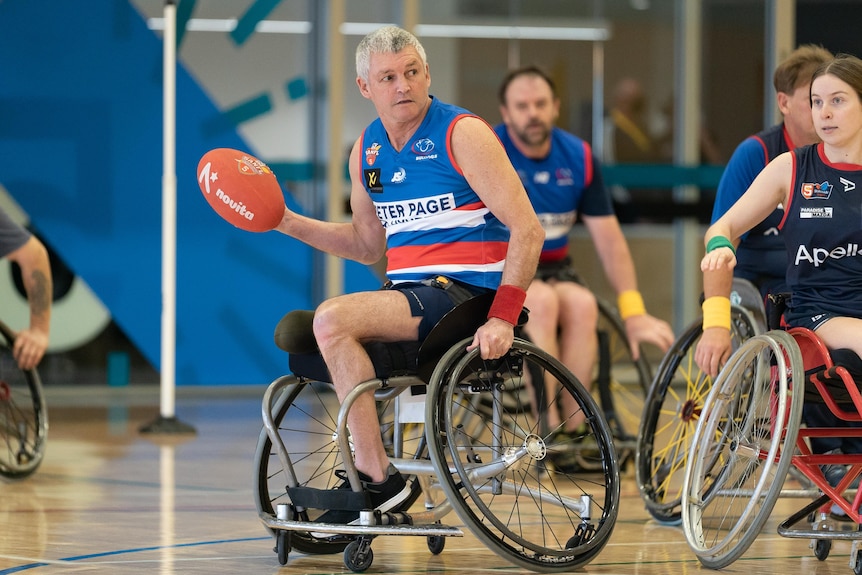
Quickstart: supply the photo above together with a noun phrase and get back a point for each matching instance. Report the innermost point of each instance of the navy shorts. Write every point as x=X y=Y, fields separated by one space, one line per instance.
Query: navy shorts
x=428 y=302
x=807 y=316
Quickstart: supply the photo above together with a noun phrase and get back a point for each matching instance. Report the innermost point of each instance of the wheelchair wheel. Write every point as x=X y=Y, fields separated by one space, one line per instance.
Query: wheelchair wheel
x=496 y=476
x=23 y=412
x=305 y=414
x=672 y=408
x=621 y=382
x=741 y=449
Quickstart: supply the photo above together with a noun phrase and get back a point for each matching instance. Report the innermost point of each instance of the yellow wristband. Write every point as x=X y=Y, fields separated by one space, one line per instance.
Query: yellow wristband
x=716 y=312
x=630 y=303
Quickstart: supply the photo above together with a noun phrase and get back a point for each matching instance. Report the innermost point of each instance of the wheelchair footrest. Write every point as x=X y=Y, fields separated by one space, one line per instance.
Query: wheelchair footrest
x=786 y=528
x=434 y=529
x=341 y=499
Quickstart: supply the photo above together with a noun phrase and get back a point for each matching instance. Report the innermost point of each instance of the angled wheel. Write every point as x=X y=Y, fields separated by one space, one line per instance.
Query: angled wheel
x=497 y=479
x=23 y=414
x=671 y=412
x=741 y=449
x=305 y=414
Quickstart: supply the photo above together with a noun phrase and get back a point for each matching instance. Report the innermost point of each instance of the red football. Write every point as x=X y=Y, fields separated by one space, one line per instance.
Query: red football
x=241 y=189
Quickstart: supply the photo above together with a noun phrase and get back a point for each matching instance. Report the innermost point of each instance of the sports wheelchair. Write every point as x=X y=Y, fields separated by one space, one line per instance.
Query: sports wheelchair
x=749 y=436
x=674 y=402
x=457 y=433
x=23 y=413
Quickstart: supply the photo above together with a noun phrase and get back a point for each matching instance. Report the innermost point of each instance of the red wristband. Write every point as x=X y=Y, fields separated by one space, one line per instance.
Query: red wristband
x=508 y=303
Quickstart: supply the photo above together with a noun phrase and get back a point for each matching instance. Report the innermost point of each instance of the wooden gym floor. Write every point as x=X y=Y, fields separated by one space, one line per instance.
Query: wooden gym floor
x=110 y=500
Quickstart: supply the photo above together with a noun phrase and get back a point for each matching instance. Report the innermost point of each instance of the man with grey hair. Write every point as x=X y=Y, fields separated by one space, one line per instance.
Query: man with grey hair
x=433 y=190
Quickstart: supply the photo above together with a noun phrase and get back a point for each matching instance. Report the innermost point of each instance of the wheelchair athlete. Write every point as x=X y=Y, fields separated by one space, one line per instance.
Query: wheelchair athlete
x=819 y=187
x=563 y=181
x=432 y=187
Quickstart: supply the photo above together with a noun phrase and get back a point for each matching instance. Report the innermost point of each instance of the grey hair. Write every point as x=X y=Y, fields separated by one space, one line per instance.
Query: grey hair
x=389 y=39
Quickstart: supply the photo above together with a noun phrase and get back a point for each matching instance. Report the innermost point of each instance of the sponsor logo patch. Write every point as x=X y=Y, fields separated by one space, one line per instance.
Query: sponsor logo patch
x=820 y=191
x=371 y=153
x=372 y=180
x=815 y=213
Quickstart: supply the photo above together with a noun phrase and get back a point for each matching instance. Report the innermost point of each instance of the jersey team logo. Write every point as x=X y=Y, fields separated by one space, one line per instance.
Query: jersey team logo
x=371 y=153
x=817 y=191
x=424 y=149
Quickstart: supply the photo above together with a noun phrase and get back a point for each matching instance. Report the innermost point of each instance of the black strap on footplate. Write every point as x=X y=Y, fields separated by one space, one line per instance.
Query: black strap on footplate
x=341 y=499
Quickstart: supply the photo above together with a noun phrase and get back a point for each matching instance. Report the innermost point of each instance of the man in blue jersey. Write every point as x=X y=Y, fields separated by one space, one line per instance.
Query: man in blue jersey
x=761 y=255
x=563 y=180
x=23 y=248
x=433 y=190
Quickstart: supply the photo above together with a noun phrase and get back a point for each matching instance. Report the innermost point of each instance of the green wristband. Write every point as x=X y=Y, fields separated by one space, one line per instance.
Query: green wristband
x=719 y=242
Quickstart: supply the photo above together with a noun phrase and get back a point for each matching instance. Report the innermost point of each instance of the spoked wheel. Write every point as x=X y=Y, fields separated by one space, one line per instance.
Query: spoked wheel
x=23 y=414
x=741 y=449
x=305 y=415
x=673 y=407
x=503 y=482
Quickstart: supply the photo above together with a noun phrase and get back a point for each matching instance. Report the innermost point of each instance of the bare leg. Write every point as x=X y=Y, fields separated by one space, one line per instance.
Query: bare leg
x=579 y=316
x=542 y=329
x=341 y=325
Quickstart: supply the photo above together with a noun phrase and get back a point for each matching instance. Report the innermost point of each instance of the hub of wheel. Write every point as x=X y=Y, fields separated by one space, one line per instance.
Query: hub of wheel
x=689 y=410
x=535 y=446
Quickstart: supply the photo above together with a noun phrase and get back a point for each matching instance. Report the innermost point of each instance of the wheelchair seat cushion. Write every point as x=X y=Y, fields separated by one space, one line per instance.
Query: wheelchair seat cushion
x=389 y=359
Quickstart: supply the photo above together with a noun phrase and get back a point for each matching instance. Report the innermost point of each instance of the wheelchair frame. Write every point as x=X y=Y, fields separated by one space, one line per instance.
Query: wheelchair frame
x=750 y=436
x=483 y=453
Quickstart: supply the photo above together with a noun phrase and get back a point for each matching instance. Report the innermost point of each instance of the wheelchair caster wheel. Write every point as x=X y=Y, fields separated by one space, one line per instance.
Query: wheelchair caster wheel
x=358 y=556
x=436 y=543
x=282 y=546
x=822 y=548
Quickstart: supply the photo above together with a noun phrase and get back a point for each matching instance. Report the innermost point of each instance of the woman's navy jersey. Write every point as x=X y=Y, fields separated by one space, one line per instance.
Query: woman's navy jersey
x=822 y=230
x=435 y=223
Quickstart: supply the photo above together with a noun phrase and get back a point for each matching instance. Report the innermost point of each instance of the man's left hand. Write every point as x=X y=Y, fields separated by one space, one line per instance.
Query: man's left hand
x=493 y=339
x=645 y=328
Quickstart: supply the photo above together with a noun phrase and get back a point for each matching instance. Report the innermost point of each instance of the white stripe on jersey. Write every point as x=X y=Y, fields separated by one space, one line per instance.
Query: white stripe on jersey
x=445 y=220
x=444 y=269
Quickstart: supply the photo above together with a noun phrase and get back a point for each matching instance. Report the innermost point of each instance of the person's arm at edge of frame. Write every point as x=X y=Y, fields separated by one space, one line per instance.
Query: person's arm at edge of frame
x=769 y=189
x=32 y=342
x=486 y=167
x=746 y=162
x=362 y=239
x=616 y=258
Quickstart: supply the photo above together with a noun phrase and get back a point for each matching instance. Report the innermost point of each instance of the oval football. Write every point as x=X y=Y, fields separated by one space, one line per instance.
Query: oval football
x=241 y=189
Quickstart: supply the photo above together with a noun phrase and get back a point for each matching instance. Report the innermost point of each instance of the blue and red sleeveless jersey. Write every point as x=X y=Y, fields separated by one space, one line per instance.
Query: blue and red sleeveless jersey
x=435 y=223
x=565 y=183
x=761 y=256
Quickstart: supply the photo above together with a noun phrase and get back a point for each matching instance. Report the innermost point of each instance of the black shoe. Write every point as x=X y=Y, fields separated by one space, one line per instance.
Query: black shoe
x=385 y=496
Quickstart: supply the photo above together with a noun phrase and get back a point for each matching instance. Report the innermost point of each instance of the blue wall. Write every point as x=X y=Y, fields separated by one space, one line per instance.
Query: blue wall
x=81 y=152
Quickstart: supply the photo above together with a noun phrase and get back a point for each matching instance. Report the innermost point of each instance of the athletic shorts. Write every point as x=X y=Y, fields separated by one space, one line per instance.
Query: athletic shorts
x=806 y=316
x=429 y=303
